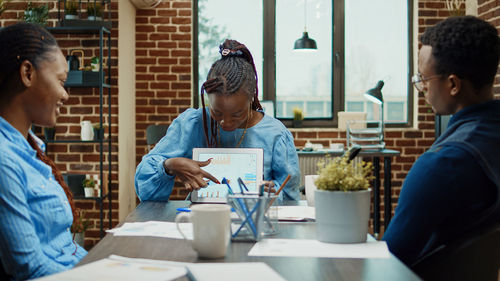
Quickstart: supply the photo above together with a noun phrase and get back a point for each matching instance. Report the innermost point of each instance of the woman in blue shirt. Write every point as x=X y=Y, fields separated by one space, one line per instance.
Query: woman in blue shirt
x=36 y=206
x=233 y=118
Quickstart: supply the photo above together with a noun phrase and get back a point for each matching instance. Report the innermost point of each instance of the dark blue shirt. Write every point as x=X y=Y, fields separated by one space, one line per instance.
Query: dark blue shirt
x=452 y=187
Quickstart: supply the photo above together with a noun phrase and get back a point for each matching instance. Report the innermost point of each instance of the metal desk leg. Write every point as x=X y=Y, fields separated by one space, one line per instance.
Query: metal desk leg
x=387 y=192
x=376 y=197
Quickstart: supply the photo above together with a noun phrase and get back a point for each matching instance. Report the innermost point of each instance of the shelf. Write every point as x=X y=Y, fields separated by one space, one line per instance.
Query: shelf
x=87 y=85
x=73 y=141
x=78 y=29
x=91 y=198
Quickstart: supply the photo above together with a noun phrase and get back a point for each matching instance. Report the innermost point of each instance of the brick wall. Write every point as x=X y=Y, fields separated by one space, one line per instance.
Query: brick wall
x=489 y=10
x=163 y=68
x=83 y=104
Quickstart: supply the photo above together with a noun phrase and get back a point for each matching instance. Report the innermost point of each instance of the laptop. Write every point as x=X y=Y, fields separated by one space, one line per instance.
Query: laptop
x=229 y=163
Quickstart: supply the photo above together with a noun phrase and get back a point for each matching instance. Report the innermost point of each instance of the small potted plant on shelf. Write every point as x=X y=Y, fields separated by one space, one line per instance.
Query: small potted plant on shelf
x=50 y=133
x=98 y=131
x=36 y=14
x=89 y=183
x=79 y=226
x=342 y=200
x=298 y=116
x=71 y=10
x=94 y=11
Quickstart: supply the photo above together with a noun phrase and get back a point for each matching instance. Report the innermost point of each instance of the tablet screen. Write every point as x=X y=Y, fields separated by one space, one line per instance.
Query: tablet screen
x=230 y=163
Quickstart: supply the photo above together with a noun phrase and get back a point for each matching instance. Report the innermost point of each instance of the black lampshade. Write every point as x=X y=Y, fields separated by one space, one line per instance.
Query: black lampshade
x=305 y=42
x=375 y=94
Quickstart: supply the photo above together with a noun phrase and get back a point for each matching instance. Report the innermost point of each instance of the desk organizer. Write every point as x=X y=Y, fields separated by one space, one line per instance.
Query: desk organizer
x=257 y=216
x=367 y=134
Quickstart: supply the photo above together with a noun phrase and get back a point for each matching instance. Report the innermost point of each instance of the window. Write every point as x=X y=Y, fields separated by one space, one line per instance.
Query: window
x=359 y=43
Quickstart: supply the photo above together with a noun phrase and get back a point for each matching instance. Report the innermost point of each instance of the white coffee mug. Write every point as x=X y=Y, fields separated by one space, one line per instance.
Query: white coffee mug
x=310 y=188
x=211 y=229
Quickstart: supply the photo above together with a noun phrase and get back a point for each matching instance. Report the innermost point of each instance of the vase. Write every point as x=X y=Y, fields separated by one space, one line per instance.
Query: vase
x=342 y=217
x=297 y=123
x=89 y=191
x=86 y=132
x=98 y=134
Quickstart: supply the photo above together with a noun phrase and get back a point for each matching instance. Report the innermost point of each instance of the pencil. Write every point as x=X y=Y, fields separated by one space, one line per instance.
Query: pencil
x=280 y=189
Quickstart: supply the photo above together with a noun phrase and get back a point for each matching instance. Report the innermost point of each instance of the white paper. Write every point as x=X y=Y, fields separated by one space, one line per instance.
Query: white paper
x=296 y=213
x=123 y=269
x=154 y=229
x=315 y=248
x=244 y=271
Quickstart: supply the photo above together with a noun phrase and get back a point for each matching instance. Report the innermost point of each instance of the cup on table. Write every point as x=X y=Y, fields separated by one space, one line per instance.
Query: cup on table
x=310 y=188
x=211 y=229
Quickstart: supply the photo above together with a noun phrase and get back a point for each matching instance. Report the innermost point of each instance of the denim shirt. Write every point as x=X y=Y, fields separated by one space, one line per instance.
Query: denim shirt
x=35 y=215
x=152 y=183
x=451 y=188
x=476 y=129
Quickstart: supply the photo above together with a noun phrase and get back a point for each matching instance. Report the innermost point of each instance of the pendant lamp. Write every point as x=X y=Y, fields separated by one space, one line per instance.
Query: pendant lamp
x=305 y=43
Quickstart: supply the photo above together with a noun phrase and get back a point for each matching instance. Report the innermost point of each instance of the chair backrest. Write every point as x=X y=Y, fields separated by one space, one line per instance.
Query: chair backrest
x=154 y=133
x=474 y=256
x=3 y=274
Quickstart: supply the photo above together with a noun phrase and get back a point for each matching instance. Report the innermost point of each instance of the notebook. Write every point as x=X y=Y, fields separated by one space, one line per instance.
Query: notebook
x=229 y=163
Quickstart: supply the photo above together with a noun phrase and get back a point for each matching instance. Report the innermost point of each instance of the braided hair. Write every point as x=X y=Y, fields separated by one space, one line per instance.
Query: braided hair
x=31 y=42
x=234 y=71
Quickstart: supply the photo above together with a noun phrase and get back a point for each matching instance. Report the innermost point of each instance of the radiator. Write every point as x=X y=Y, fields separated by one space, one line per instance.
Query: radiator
x=308 y=164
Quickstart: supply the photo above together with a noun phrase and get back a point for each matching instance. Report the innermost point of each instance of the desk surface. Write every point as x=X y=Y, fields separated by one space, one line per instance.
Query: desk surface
x=287 y=267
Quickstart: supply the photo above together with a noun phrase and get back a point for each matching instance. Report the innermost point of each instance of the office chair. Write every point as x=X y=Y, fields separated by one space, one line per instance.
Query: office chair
x=3 y=274
x=474 y=256
x=154 y=133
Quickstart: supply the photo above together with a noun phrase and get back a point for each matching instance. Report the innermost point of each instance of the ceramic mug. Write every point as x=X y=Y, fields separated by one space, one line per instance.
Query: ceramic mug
x=211 y=229
x=310 y=188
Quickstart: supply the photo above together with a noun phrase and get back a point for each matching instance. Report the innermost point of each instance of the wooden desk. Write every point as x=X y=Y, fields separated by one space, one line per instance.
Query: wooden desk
x=387 y=154
x=289 y=268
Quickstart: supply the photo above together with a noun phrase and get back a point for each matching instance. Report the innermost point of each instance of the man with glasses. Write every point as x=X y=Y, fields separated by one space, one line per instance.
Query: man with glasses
x=454 y=186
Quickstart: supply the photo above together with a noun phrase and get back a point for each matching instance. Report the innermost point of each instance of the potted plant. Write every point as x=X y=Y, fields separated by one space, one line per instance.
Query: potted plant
x=98 y=131
x=298 y=116
x=50 y=133
x=37 y=14
x=89 y=184
x=79 y=227
x=342 y=200
x=71 y=10
x=94 y=11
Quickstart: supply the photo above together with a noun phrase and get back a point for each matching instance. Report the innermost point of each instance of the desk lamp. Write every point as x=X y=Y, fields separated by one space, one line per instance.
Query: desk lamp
x=375 y=95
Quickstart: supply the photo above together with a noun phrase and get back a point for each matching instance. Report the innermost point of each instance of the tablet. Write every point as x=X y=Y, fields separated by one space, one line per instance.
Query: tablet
x=229 y=163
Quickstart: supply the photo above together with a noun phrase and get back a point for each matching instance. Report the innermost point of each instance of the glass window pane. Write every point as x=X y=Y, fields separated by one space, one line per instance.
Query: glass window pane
x=376 y=48
x=215 y=24
x=395 y=111
x=303 y=77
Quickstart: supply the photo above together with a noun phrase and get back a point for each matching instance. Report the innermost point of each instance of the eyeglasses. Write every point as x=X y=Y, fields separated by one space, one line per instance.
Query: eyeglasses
x=418 y=81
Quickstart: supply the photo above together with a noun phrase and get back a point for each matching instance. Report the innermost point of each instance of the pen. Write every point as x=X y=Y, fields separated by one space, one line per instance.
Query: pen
x=247 y=214
x=280 y=189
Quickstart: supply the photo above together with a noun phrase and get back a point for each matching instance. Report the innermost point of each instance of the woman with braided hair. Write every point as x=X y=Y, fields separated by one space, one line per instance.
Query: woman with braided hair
x=233 y=118
x=36 y=206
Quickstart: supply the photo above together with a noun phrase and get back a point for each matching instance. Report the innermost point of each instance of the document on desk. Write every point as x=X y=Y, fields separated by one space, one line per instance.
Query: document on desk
x=296 y=213
x=154 y=229
x=123 y=269
x=240 y=271
x=315 y=248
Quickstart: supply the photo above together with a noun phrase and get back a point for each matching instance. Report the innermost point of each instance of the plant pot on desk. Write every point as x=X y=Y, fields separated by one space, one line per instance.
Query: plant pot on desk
x=342 y=217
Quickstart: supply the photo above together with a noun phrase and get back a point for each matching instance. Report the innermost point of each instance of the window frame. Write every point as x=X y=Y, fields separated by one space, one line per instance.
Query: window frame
x=269 y=64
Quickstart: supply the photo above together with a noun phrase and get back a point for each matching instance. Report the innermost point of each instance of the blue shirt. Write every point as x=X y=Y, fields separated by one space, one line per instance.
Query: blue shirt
x=35 y=215
x=452 y=188
x=186 y=132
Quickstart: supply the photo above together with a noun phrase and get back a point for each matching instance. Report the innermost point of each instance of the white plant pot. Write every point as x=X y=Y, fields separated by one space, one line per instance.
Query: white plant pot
x=71 y=17
x=89 y=191
x=94 y=18
x=342 y=217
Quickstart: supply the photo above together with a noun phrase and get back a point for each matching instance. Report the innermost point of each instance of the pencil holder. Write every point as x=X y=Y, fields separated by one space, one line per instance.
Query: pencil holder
x=257 y=216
